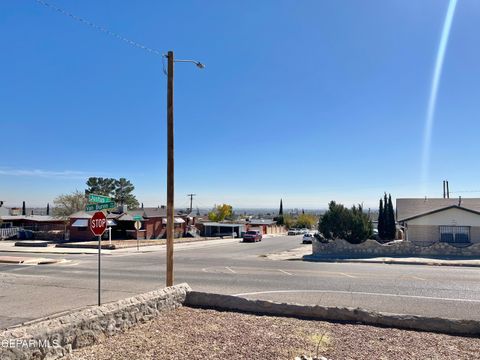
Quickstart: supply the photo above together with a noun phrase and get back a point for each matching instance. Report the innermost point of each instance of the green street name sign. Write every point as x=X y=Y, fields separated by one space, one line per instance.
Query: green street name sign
x=97 y=207
x=137 y=218
x=100 y=199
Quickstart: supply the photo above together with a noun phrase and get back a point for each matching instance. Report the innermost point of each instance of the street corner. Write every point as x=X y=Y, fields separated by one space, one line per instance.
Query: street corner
x=23 y=260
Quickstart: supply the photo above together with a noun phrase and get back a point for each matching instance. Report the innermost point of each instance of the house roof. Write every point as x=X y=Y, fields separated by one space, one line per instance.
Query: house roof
x=222 y=224
x=261 y=222
x=128 y=216
x=154 y=212
x=409 y=208
x=37 y=218
x=442 y=209
x=81 y=215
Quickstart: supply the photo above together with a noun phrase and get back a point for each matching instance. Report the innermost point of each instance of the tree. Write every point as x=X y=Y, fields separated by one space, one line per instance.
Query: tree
x=123 y=193
x=48 y=209
x=280 y=212
x=220 y=212
x=352 y=225
x=360 y=227
x=24 y=209
x=381 y=221
x=334 y=223
x=386 y=219
x=391 y=228
x=305 y=221
x=120 y=190
x=68 y=204
x=101 y=186
x=288 y=221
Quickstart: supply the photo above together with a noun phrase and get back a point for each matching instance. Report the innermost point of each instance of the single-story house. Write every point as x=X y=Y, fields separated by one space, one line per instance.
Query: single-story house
x=122 y=224
x=222 y=229
x=426 y=221
x=266 y=226
x=43 y=226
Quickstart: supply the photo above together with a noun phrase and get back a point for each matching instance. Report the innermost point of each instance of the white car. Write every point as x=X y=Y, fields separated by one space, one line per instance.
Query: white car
x=307 y=238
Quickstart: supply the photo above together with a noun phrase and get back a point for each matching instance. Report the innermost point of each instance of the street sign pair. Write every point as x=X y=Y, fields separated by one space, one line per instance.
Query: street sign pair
x=100 y=202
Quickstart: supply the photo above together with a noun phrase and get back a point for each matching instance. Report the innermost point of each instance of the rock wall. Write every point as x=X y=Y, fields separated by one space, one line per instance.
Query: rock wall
x=372 y=248
x=337 y=314
x=56 y=337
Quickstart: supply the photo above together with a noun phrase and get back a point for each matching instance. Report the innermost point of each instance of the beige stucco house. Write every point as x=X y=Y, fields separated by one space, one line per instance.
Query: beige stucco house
x=427 y=221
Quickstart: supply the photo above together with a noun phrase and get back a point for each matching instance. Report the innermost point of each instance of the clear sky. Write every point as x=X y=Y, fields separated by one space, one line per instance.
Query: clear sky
x=307 y=101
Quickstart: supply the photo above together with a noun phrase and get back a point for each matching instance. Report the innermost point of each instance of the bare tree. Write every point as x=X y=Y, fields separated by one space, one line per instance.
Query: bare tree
x=68 y=204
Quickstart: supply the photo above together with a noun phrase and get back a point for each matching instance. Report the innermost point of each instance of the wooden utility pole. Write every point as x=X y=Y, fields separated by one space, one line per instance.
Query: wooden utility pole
x=191 y=201
x=170 y=171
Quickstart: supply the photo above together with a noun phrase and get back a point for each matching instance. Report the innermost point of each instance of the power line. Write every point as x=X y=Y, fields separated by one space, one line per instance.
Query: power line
x=100 y=28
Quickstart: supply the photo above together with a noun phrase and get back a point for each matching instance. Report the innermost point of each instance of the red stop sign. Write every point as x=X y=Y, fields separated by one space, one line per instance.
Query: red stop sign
x=98 y=223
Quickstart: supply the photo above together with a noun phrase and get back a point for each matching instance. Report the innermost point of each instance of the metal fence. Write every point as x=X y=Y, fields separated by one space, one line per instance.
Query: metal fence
x=9 y=232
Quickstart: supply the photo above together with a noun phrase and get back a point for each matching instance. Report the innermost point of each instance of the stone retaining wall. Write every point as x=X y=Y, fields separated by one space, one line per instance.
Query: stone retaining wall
x=56 y=337
x=371 y=248
x=336 y=314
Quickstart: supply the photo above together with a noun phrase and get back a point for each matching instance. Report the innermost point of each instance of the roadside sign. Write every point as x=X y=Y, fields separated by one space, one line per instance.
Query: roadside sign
x=98 y=223
x=99 y=199
x=138 y=225
x=137 y=218
x=101 y=206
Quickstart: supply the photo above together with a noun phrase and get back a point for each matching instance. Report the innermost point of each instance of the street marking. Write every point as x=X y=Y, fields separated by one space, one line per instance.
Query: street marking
x=417 y=278
x=232 y=271
x=285 y=272
x=356 y=293
x=347 y=275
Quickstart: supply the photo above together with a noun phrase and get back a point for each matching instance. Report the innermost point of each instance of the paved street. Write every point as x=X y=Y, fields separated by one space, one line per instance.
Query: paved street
x=231 y=267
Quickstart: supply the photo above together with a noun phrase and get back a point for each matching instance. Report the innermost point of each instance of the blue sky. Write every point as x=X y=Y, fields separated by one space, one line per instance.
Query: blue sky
x=305 y=100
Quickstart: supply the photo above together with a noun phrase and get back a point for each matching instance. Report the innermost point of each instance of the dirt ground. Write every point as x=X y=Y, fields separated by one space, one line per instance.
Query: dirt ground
x=187 y=333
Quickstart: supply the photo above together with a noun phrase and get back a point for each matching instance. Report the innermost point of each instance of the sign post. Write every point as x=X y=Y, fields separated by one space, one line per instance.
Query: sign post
x=98 y=225
x=138 y=226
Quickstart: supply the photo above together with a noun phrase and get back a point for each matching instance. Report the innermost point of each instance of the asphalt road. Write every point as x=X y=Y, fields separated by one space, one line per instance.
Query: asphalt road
x=28 y=292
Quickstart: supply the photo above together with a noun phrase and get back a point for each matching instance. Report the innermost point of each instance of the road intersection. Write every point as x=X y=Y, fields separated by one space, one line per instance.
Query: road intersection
x=231 y=267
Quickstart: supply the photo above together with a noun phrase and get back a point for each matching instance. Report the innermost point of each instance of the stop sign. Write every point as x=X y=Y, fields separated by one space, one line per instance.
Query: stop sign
x=98 y=223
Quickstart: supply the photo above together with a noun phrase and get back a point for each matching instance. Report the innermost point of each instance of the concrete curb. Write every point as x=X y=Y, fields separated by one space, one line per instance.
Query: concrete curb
x=18 y=260
x=56 y=336
x=335 y=314
x=430 y=262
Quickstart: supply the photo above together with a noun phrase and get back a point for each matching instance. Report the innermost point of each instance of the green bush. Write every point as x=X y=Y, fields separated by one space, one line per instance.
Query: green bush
x=339 y=222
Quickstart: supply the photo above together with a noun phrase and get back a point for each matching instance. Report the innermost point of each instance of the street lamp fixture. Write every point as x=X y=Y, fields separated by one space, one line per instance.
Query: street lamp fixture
x=170 y=163
x=198 y=63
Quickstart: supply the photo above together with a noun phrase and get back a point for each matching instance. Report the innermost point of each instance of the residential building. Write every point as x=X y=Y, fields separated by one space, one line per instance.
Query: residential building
x=426 y=221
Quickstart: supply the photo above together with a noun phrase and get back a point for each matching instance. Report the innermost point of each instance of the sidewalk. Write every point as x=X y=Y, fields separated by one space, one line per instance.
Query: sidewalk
x=9 y=246
x=402 y=261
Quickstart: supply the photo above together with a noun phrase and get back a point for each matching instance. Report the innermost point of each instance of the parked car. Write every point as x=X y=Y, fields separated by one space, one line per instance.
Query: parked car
x=307 y=238
x=293 y=231
x=252 y=236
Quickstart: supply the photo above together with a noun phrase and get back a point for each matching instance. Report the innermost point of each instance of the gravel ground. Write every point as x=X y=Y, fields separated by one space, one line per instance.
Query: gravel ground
x=188 y=333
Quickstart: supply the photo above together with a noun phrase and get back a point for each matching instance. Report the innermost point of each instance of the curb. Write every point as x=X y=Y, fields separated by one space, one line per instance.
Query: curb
x=335 y=314
x=18 y=260
x=433 y=262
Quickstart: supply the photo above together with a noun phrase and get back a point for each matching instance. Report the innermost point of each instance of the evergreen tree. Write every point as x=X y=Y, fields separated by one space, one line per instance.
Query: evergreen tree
x=280 y=212
x=48 y=209
x=381 y=221
x=391 y=228
x=24 y=209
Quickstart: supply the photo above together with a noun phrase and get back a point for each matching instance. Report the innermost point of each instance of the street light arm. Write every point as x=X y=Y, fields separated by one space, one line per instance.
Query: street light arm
x=198 y=63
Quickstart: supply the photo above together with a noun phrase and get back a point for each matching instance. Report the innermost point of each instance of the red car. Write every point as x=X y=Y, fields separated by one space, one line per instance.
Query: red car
x=252 y=235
